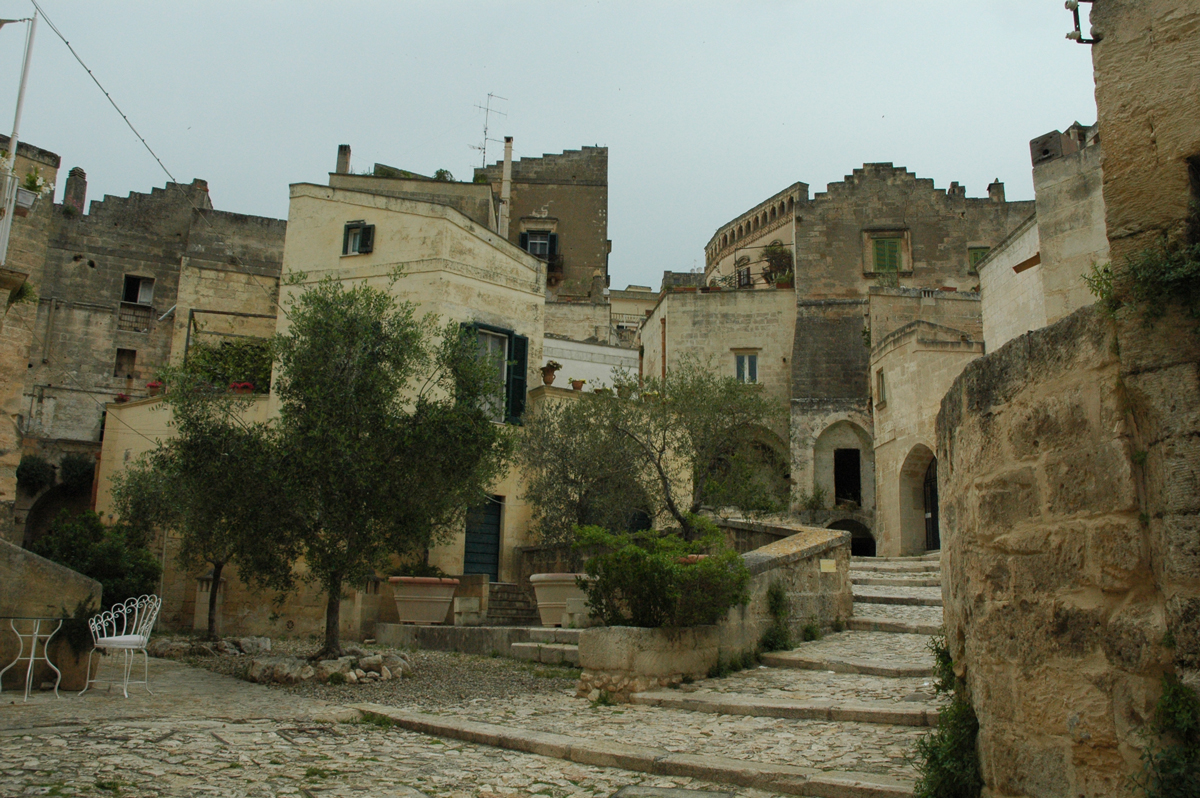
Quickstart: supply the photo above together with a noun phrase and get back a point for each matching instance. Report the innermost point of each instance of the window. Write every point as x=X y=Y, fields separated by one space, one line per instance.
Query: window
x=358 y=238
x=126 y=360
x=540 y=243
x=976 y=254
x=887 y=254
x=747 y=368
x=510 y=353
x=138 y=290
x=744 y=280
x=880 y=389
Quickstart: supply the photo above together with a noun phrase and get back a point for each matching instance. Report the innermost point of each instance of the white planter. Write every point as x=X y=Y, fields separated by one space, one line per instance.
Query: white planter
x=552 y=591
x=25 y=200
x=423 y=600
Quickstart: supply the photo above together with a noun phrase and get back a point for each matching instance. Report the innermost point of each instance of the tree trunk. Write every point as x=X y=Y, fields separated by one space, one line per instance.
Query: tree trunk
x=333 y=614
x=212 y=600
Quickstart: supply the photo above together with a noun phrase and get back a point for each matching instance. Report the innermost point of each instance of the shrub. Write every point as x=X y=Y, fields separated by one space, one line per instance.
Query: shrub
x=76 y=471
x=1171 y=760
x=34 y=473
x=647 y=579
x=234 y=360
x=778 y=636
x=86 y=545
x=947 y=760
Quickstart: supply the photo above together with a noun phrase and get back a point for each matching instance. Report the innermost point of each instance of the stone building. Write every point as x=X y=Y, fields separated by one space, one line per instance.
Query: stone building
x=26 y=253
x=1066 y=458
x=123 y=290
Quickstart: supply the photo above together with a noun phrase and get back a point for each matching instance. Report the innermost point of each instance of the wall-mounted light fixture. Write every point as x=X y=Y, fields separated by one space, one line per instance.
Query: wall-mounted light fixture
x=1077 y=34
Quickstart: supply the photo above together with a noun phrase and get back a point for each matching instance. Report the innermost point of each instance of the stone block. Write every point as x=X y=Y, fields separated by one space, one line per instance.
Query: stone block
x=1117 y=552
x=649 y=652
x=1007 y=500
x=467 y=612
x=1181 y=559
x=1096 y=475
x=1058 y=421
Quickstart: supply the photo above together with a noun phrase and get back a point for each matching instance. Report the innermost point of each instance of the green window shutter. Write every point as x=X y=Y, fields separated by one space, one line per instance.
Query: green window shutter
x=524 y=241
x=346 y=240
x=552 y=247
x=887 y=254
x=518 y=350
x=366 y=240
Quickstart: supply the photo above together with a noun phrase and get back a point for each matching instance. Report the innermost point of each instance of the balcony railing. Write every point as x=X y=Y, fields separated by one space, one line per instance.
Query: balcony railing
x=134 y=318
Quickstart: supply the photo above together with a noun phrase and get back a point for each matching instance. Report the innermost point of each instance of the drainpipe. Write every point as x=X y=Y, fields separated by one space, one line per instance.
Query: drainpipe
x=663 y=321
x=505 y=187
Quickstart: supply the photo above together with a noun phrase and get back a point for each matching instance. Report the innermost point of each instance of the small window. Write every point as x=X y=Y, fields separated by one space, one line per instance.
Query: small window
x=747 y=368
x=510 y=354
x=887 y=254
x=493 y=347
x=138 y=290
x=976 y=254
x=540 y=243
x=126 y=361
x=880 y=389
x=744 y=280
x=358 y=238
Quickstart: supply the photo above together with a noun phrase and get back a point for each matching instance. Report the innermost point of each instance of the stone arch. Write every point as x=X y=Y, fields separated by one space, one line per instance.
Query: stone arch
x=918 y=511
x=739 y=232
x=791 y=204
x=782 y=208
x=772 y=213
x=754 y=223
x=862 y=542
x=764 y=218
x=765 y=462
x=843 y=461
x=724 y=239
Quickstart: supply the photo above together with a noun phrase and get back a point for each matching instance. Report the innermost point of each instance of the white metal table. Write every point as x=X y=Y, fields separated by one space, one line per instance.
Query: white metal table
x=35 y=635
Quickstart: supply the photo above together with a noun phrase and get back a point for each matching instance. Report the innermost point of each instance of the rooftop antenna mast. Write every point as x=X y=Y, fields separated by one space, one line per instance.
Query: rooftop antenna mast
x=487 y=113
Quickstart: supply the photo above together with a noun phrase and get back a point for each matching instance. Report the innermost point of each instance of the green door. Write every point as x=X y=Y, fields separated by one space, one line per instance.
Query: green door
x=482 y=555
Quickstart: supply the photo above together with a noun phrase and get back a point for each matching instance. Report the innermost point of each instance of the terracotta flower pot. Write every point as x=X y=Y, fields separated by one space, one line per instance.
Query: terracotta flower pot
x=577 y=385
x=423 y=600
x=552 y=591
x=548 y=375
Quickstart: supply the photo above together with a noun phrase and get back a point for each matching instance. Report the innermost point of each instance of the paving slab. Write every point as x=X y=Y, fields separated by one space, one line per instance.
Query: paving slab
x=872 y=653
x=917 y=596
x=910 y=714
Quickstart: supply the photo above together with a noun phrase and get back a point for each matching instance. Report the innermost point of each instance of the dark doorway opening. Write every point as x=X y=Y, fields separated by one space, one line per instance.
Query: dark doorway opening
x=862 y=542
x=847 y=476
x=482 y=551
x=933 y=537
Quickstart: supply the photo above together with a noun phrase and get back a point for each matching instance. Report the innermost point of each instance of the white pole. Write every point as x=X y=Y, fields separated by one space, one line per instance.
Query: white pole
x=10 y=179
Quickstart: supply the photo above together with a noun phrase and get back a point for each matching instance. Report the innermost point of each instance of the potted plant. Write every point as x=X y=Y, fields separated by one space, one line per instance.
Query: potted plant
x=553 y=591
x=28 y=192
x=122 y=398
x=577 y=384
x=154 y=388
x=423 y=594
x=241 y=387
x=549 y=370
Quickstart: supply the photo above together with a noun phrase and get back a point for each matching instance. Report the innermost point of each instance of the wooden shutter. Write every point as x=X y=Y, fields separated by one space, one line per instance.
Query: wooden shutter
x=366 y=239
x=518 y=351
x=524 y=239
x=553 y=247
x=346 y=240
x=887 y=254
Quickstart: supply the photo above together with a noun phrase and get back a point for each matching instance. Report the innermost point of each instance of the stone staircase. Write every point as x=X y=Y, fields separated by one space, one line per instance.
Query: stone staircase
x=510 y=605
x=897 y=594
x=549 y=646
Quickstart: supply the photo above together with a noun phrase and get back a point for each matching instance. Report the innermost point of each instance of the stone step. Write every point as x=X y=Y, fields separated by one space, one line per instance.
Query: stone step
x=934 y=580
x=866 y=624
x=885 y=712
x=552 y=634
x=546 y=653
x=912 y=601
x=894 y=568
x=787 y=779
x=802 y=661
x=927 y=556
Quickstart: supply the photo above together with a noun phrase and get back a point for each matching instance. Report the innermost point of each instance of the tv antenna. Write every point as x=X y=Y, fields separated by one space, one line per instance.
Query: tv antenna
x=487 y=113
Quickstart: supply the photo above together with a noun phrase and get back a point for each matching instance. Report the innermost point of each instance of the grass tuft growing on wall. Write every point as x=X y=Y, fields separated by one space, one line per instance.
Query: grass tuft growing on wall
x=947 y=760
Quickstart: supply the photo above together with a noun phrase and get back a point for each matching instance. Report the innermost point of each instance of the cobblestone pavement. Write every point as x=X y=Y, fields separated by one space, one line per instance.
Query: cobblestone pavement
x=882 y=590
x=900 y=612
x=900 y=650
x=797 y=686
x=207 y=734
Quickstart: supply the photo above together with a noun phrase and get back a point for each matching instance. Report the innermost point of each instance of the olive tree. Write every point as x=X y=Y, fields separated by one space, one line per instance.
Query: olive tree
x=386 y=418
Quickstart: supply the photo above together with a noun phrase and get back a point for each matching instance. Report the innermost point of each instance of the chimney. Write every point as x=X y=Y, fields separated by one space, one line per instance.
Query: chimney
x=505 y=188
x=956 y=190
x=996 y=191
x=76 y=192
x=343 y=164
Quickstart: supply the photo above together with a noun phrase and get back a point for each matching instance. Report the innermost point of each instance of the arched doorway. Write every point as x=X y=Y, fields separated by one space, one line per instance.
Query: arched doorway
x=844 y=466
x=919 y=530
x=862 y=542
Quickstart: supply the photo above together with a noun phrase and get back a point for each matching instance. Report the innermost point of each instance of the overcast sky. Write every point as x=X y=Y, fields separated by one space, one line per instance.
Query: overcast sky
x=706 y=108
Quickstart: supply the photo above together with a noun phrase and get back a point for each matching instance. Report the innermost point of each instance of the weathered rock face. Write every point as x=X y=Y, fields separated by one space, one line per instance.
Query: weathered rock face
x=1055 y=599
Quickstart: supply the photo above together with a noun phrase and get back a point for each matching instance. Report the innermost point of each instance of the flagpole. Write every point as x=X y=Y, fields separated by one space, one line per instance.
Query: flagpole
x=10 y=180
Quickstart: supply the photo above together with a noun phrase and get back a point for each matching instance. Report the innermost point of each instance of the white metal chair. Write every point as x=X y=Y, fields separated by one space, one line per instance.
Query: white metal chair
x=126 y=628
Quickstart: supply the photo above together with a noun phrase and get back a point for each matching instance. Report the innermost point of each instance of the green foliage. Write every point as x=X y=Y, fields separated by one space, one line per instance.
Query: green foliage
x=778 y=263
x=75 y=629
x=1159 y=275
x=233 y=360
x=386 y=420
x=1171 y=760
x=810 y=631
x=443 y=175
x=578 y=472
x=738 y=662
x=86 y=545
x=814 y=500
x=603 y=700
x=648 y=579
x=947 y=761
x=34 y=472
x=25 y=294
x=219 y=484
x=838 y=625
x=418 y=568
x=76 y=471
x=336 y=678
x=778 y=636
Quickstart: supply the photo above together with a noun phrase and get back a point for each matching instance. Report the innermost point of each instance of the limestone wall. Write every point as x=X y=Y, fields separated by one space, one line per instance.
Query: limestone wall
x=588 y=361
x=1010 y=287
x=580 y=321
x=1055 y=601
